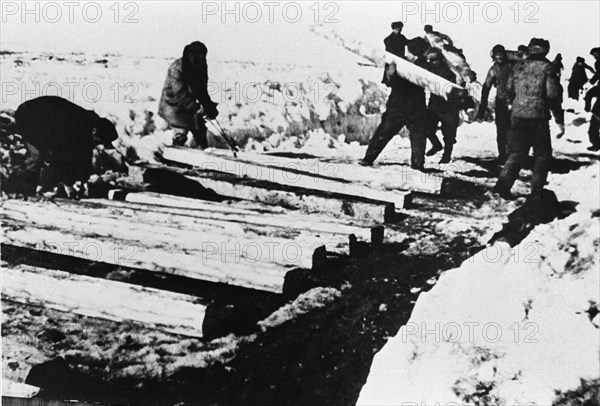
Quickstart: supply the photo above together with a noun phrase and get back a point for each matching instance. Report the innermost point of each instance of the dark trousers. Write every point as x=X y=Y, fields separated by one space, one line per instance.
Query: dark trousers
x=449 y=123
x=392 y=121
x=526 y=133
x=594 y=131
x=199 y=133
x=502 y=127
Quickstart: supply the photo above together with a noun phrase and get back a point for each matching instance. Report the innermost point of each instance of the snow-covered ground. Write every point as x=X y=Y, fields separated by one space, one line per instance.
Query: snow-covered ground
x=509 y=326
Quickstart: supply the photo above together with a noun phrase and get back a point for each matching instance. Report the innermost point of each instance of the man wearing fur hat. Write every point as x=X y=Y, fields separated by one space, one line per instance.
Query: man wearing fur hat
x=533 y=90
x=395 y=43
x=185 y=100
x=498 y=76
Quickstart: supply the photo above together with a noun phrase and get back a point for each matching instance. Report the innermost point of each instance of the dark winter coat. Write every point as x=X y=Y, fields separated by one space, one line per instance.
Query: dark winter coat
x=596 y=76
x=65 y=135
x=578 y=76
x=395 y=44
x=594 y=92
x=533 y=88
x=438 y=104
x=497 y=76
x=405 y=96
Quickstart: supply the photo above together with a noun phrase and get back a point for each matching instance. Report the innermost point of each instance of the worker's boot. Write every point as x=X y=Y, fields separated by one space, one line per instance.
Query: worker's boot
x=435 y=148
x=447 y=157
x=562 y=131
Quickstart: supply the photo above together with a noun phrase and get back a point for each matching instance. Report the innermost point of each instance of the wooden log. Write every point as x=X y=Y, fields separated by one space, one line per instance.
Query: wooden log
x=244 y=166
x=268 y=193
x=429 y=81
x=104 y=299
x=208 y=262
x=397 y=179
x=252 y=215
x=258 y=244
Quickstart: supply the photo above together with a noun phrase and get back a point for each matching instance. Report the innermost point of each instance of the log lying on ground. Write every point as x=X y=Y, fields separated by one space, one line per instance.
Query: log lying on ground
x=397 y=179
x=212 y=242
x=248 y=189
x=243 y=166
x=211 y=262
x=105 y=299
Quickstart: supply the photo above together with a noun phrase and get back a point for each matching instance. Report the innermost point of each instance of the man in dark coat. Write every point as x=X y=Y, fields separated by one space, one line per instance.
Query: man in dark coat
x=533 y=90
x=405 y=107
x=595 y=52
x=185 y=100
x=594 y=130
x=578 y=78
x=498 y=76
x=395 y=43
x=65 y=135
x=440 y=110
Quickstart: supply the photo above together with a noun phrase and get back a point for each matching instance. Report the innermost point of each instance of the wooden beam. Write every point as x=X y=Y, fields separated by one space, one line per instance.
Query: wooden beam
x=104 y=299
x=388 y=179
x=243 y=166
x=273 y=194
x=213 y=263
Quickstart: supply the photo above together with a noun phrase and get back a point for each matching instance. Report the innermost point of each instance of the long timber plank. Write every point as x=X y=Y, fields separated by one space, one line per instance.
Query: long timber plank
x=279 y=174
x=104 y=299
x=207 y=263
x=361 y=209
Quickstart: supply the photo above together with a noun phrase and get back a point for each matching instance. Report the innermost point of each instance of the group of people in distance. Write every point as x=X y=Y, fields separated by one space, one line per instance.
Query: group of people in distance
x=528 y=93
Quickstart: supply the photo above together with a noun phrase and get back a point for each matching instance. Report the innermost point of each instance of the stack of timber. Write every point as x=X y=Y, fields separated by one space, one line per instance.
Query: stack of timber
x=210 y=241
x=298 y=178
x=104 y=299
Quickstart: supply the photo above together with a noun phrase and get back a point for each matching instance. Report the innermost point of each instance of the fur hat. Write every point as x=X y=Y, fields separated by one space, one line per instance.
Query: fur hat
x=539 y=46
x=397 y=24
x=428 y=28
x=595 y=51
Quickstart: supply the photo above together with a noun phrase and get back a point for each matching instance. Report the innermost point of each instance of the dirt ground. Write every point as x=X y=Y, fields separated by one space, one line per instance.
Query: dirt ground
x=320 y=357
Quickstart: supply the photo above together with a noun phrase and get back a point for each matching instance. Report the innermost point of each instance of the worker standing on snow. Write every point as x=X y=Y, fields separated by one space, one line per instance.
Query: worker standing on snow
x=578 y=78
x=440 y=110
x=594 y=129
x=405 y=107
x=595 y=52
x=395 y=43
x=185 y=100
x=498 y=76
x=533 y=90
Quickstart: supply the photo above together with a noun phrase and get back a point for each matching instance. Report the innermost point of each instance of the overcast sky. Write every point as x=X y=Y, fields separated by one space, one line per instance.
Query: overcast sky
x=268 y=31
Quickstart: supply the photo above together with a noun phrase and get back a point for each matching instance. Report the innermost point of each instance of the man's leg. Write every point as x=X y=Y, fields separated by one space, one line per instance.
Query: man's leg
x=594 y=134
x=391 y=124
x=431 y=126
x=449 y=127
x=502 y=127
x=179 y=136
x=200 y=134
x=519 y=149
x=542 y=156
x=418 y=142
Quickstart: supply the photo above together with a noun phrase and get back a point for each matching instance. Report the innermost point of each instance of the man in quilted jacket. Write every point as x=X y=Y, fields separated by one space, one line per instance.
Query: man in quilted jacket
x=185 y=100
x=533 y=90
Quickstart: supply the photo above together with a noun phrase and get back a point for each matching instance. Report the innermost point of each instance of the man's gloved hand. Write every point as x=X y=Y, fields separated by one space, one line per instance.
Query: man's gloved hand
x=211 y=110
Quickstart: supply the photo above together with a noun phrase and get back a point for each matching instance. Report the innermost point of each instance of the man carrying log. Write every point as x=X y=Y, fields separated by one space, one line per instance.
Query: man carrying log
x=498 y=76
x=532 y=89
x=405 y=107
x=440 y=110
x=185 y=100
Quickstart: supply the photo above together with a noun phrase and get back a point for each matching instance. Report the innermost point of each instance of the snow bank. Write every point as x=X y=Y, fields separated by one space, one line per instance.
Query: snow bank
x=509 y=326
